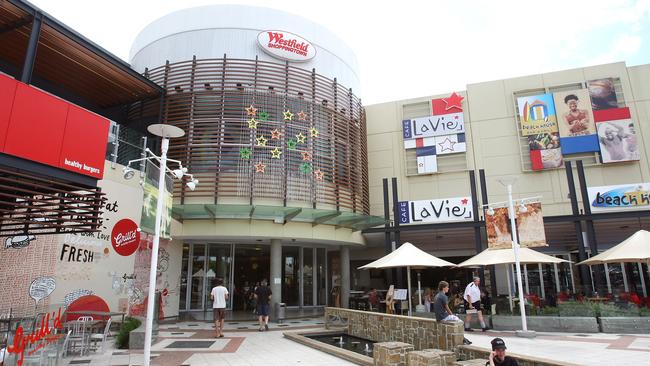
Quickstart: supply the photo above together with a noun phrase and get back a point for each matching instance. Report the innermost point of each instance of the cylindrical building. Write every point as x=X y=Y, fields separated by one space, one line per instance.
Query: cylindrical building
x=277 y=138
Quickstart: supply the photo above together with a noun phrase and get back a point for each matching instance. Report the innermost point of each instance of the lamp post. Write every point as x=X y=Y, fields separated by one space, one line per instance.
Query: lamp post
x=515 y=247
x=166 y=132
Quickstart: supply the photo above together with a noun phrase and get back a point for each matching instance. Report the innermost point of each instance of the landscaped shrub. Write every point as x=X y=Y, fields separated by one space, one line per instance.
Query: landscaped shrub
x=122 y=339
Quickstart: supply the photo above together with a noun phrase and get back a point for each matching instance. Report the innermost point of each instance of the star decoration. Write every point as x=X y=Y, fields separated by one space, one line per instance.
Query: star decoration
x=245 y=153
x=264 y=116
x=252 y=123
x=302 y=116
x=313 y=132
x=261 y=141
x=305 y=168
x=447 y=144
x=318 y=174
x=291 y=144
x=288 y=116
x=454 y=100
x=464 y=201
x=301 y=138
x=251 y=111
x=275 y=134
x=259 y=167
x=306 y=156
x=275 y=153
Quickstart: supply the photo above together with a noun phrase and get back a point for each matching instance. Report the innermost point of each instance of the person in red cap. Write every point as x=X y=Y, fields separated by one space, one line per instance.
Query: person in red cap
x=498 y=355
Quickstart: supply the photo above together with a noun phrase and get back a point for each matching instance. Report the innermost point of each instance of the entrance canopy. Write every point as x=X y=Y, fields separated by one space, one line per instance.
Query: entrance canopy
x=490 y=257
x=636 y=248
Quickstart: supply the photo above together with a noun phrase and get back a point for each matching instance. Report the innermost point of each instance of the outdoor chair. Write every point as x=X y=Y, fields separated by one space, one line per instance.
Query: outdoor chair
x=80 y=333
x=101 y=337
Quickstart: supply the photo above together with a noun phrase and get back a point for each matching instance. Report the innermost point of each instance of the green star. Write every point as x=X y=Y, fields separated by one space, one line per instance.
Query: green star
x=305 y=168
x=291 y=144
x=245 y=153
x=263 y=116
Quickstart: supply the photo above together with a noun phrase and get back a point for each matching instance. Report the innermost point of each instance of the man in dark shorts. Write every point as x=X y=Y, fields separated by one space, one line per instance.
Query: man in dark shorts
x=219 y=295
x=498 y=355
x=472 y=298
x=263 y=297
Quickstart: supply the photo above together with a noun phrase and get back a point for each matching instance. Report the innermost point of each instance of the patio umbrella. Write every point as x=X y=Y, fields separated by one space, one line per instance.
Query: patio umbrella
x=408 y=255
x=489 y=257
x=636 y=248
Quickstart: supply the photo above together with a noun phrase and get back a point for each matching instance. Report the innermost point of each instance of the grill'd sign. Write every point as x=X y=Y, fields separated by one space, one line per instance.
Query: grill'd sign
x=286 y=46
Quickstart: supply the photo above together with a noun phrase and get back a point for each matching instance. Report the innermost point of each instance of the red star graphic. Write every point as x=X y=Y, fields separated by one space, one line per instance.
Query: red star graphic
x=259 y=167
x=454 y=100
x=302 y=116
x=275 y=134
x=319 y=174
x=464 y=201
x=306 y=156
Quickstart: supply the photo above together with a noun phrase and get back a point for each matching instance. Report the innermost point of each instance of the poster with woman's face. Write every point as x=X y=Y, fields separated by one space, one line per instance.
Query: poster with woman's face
x=602 y=93
x=574 y=113
x=618 y=141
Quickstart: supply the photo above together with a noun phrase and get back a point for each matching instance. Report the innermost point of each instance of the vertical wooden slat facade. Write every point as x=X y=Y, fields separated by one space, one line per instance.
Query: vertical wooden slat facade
x=208 y=99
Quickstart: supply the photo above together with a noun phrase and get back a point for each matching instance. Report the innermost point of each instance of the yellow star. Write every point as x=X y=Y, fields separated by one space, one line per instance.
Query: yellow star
x=251 y=111
x=302 y=116
x=301 y=138
x=275 y=153
x=261 y=141
x=319 y=174
x=252 y=123
x=313 y=132
x=288 y=116
x=259 y=167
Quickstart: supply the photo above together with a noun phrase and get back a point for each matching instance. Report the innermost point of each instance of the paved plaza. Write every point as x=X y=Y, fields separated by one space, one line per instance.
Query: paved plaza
x=193 y=343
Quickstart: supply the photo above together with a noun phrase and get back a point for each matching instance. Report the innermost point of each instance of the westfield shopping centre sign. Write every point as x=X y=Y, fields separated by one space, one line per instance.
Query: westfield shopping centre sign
x=286 y=46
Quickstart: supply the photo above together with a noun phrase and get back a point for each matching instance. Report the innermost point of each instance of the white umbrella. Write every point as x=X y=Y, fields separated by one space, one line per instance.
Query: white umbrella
x=490 y=257
x=408 y=255
x=636 y=248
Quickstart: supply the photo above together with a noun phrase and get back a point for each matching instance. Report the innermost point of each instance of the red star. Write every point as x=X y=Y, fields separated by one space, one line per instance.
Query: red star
x=259 y=167
x=306 y=156
x=464 y=201
x=275 y=134
x=454 y=100
x=302 y=116
x=319 y=174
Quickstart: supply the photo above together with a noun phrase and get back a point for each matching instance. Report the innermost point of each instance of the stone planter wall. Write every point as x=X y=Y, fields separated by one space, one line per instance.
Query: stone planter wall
x=423 y=333
x=474 y=352
x=625 y=325
x=574 y=324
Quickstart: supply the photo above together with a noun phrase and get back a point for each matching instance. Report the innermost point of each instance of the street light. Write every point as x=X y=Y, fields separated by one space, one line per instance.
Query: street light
x=166 y=132
x=508 y=182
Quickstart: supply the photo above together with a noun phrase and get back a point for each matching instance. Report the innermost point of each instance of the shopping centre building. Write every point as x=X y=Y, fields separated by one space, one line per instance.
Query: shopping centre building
x=299 y=183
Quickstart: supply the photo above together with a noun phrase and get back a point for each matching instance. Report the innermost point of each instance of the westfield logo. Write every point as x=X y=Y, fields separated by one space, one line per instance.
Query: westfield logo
x=276 y=40
x=286 y=46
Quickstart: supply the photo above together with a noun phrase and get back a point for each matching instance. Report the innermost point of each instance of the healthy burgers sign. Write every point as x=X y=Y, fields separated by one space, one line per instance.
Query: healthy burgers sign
x=286 y=46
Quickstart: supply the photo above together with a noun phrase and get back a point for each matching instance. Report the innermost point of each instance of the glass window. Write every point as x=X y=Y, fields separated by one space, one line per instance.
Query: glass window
x=198 y=276
x=308 y=276
x=321 y=276
x=218 y=266
x=184 y=267
x=290 y=275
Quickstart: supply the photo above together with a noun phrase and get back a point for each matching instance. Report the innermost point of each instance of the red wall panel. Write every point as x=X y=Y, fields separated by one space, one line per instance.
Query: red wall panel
x=84 y=143
x=7 y=92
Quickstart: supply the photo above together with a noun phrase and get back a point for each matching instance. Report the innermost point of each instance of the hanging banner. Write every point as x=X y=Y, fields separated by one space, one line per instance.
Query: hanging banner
x=537 y=114
x=498 y=228
x=436 y=210
x=530 y=225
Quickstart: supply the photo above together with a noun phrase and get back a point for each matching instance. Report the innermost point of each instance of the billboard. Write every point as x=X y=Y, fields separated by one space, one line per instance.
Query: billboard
x=623 y=197
x=40 y=127
x=602 y=93
x=537 y=114
x=436 y=210
x=576 y=122
x=617 y=135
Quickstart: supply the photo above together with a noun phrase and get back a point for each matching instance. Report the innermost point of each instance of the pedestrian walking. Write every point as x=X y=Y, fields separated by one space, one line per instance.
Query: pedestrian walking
x=219 y=295
x=472 y=299
x=263 y=298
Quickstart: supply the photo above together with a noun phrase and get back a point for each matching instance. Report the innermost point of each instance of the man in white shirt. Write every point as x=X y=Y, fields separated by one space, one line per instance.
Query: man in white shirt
x=472 y=298
x=219 y=295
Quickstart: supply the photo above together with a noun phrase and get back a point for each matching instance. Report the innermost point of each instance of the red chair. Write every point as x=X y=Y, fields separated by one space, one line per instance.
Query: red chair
x=635 y=299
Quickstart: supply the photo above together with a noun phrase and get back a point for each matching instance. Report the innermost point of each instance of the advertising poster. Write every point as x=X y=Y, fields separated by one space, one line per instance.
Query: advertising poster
x=617 y=136
x=149 y=206
x=530 y=225
x=625 y=197
x=546 y=159
x=497 y=225
x=537 y=114
x=576 y=122
x=544 y=141
x=603 y=94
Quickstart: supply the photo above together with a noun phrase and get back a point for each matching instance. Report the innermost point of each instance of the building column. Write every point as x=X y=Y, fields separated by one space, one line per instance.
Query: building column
x=345 y=277
x=275 y=282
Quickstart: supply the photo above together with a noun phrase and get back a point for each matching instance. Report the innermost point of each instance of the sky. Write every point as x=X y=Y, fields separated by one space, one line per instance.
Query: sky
x=409 y=49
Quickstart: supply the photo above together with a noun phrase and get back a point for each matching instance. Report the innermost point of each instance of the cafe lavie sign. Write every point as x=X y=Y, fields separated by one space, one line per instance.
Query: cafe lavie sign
x=436 y=210
x=286 y=46
x=624 y=197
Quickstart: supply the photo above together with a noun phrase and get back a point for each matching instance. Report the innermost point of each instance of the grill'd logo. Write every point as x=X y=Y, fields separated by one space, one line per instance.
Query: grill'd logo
x=286 y=46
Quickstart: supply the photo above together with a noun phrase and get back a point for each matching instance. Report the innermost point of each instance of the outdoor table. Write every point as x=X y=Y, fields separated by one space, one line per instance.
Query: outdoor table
x=97 y=313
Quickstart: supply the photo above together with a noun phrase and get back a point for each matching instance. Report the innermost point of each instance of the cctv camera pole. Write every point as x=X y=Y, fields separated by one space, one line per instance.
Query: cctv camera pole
x=164 y=131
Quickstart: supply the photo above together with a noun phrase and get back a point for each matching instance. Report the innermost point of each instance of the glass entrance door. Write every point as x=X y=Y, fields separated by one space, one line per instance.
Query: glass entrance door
x=206 y=263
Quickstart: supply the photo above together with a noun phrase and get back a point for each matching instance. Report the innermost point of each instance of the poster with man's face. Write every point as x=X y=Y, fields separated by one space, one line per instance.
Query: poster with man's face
x=603 y=94
x=574 y=113
x=618 y=141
